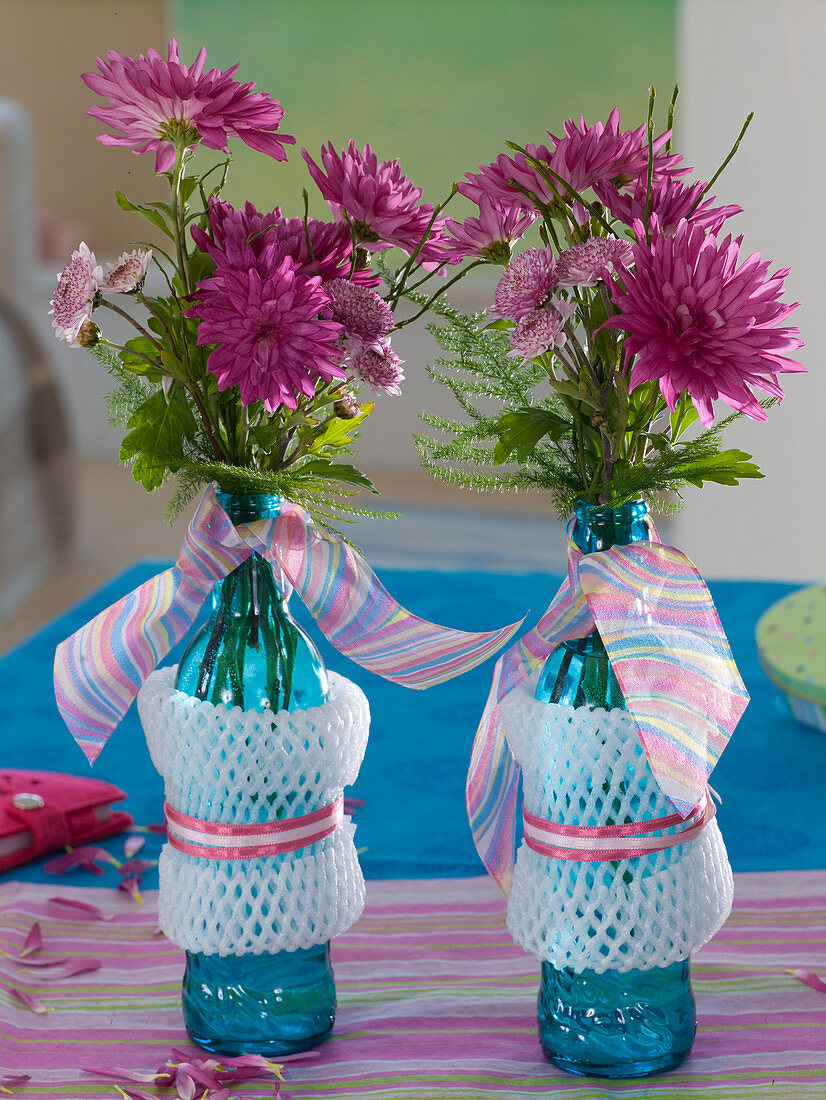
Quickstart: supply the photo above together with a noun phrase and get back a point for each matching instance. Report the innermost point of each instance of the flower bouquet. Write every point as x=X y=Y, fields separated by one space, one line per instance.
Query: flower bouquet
x=605 y=350
x=245 y=375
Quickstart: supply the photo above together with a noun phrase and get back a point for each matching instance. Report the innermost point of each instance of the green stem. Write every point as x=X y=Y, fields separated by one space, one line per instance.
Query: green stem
x=671 y=107
x=179 y=219
x=438 y=294
x=649 y=179
x=135 y=324
x=719 y=171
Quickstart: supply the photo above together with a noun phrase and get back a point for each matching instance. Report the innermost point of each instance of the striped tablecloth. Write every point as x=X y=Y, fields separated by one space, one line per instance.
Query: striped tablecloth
x=434 y=1000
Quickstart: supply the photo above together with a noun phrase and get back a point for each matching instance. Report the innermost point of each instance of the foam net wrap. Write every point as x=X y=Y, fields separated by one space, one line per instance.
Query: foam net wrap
x=586 y=767
x=232 y=766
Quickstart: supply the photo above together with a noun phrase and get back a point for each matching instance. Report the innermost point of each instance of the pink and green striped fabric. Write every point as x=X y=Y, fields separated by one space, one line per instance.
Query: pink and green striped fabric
x=670 y=655
x=435 y=1001
x=99 y=669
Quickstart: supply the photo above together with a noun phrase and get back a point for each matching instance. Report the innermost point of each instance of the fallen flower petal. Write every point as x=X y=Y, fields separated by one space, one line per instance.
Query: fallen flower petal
x=809 y=978
x=10 y=1081
x=73 y=967
x=137 y=866
x=132 y=845
x=82 y=907
x=131 y=886
x=85 y=857
x=29 y=964
x=135 y=1094
x=184 y=1085
x=34 y=940
x=29 y=1001
x=118 y=1074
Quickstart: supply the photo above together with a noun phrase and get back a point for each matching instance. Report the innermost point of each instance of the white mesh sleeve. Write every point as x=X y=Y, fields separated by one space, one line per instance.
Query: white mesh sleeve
x=232 y=766
x=587 y=767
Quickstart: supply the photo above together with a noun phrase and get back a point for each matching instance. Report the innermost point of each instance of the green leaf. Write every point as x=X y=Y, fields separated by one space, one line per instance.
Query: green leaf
x=319 y=466
x=570 y=389
x=157 y=430
x=724 y=468
x=132 y=359
x=683 y=416
x=338 y=432
x=150 y=215
x=520 y=431
x=267 y=436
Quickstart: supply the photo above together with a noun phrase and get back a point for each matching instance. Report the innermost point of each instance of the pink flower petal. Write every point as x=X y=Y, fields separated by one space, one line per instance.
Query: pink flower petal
x=34 y=940
x=136 y=1094
x=30 y=963
x=132 y=845
x=10 y=1081
x=137 y=866
x=809 y=978
x=185 y=1085
x=29 y=1001
x=85 y=857
x=131 y=886
x=81 y=907
x=117 y=1074
x=72 y=967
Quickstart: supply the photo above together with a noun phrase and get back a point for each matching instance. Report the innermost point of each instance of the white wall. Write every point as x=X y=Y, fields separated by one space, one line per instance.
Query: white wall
x=736 y=56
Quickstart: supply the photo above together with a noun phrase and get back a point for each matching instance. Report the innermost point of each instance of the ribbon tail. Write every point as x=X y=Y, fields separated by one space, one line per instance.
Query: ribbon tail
x=491 y=794
x=357 y=613
x=672 y=659
x=100 y=668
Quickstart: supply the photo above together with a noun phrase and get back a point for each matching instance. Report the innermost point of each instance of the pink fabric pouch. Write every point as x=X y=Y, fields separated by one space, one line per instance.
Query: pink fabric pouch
x=41 y=812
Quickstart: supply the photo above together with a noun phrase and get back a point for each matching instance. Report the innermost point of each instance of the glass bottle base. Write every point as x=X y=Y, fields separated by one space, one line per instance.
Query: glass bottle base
x=274 y=1004
x=616 y=1025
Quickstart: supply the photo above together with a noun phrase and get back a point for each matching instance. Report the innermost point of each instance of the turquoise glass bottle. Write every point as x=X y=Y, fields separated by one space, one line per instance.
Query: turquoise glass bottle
x=612 y=1024
x=252 y=654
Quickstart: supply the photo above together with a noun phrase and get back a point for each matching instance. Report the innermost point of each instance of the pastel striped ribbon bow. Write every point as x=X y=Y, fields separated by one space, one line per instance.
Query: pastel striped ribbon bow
x=670 y=655
x=99 y=669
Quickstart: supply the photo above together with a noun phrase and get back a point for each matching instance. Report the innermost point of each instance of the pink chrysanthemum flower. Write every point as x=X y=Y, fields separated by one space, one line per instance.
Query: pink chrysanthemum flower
x=363 y=314
x=378 y=366
x=247 y=235
x=272 y=343
x=156 y=104
x=584 y=157
x=540 y=330
x=699 y=324
x=128 y=272
x=328 y=253
x=382 y=205
x=491 y=235
x=671 y=201
x=74 y=298
x=584 y=264
x=527 y=282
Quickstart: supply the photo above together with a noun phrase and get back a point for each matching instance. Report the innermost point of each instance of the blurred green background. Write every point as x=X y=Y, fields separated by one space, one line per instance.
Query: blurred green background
x=440 y=84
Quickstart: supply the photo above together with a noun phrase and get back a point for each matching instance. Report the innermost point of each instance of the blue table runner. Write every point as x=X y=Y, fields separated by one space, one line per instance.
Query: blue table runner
x=772 y=776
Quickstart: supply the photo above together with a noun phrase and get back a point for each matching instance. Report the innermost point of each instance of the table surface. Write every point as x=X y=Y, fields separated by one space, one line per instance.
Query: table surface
x=772 y=780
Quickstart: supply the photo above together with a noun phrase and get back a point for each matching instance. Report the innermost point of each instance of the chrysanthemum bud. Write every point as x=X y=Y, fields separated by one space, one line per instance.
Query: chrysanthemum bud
x=362 y=258
x=347 y=407
x=88 y=335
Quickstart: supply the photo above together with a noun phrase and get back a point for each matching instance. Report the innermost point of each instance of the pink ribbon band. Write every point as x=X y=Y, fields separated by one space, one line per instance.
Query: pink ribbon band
x=213 y=840
x=596 y=843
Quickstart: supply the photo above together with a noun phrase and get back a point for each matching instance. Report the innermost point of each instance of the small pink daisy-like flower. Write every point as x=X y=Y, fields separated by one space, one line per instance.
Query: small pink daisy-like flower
x=540 y=330
x=156 y=104
x=272 y=343
x=699 y=324
x=584 y=264
x=490 y=235
x=74 y=299
x=379 y=201
x=363 y=314
x=127 y=272
x=671 y=201
x=527 y=282
x=378 y=366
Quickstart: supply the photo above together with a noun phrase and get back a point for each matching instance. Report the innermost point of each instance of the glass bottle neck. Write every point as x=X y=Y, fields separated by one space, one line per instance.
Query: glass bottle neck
x=599 y=527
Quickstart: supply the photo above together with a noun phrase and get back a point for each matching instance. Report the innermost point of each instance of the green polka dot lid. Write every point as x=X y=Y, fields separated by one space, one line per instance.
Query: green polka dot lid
x=791 y=642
